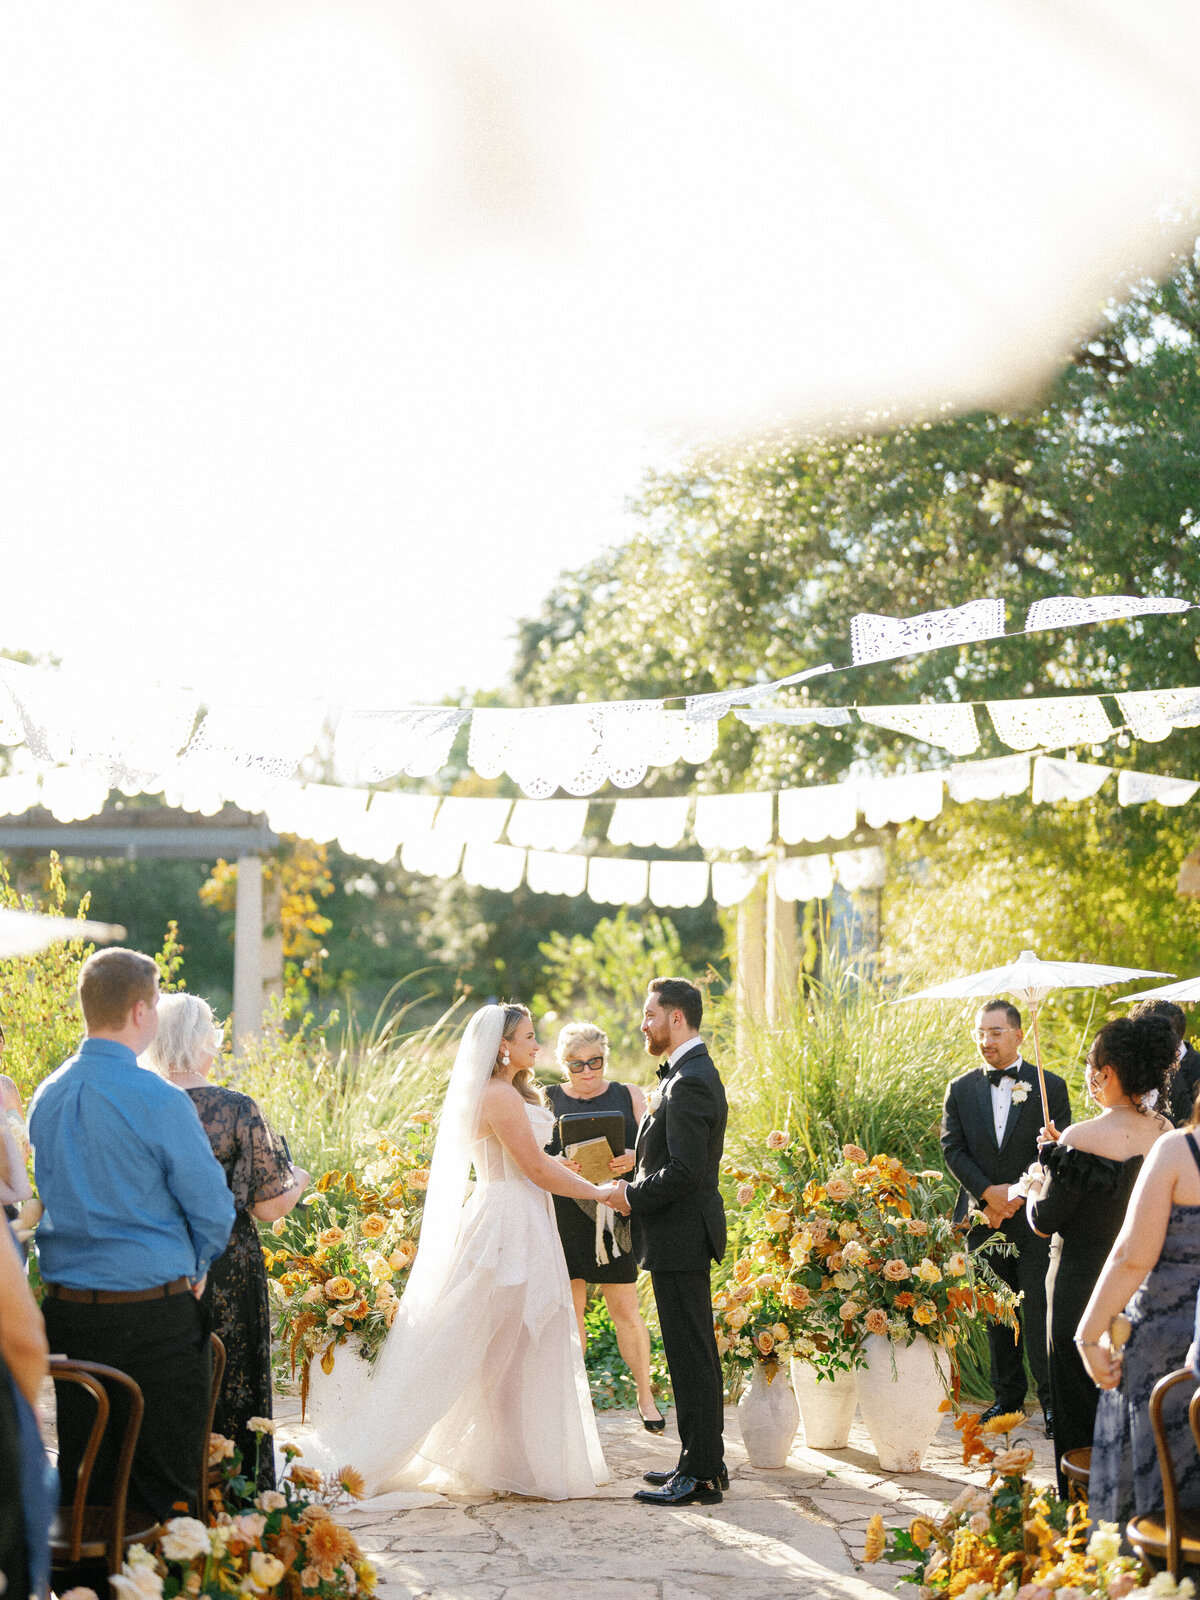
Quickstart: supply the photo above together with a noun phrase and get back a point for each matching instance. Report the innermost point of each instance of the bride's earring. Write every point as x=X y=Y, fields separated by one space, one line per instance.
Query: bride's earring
x=504 y=1058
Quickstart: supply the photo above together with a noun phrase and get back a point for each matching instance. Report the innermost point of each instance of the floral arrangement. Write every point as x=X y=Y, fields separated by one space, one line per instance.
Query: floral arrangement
x=868 y=1248
x=346 y=1251
x=283 y=1542
x=1011 y=1540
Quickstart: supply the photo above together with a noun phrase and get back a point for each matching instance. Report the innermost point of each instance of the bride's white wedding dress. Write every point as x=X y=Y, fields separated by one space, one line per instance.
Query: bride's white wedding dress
x=480 y=1384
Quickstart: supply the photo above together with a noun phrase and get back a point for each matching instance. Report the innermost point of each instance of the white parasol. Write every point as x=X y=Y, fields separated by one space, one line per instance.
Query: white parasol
x=24 y=933
x=1031 y=980
x=1185 y=989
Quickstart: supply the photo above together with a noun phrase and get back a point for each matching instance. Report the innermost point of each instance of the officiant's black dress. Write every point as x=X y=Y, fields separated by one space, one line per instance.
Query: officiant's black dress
x=257 y=1167
x=1083 y=1206
x=576 y=1228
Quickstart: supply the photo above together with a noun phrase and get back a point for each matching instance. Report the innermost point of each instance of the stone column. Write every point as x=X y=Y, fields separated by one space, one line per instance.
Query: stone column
x=782 y=954
x=750 y=976
x=272 y=944
x=248 y=953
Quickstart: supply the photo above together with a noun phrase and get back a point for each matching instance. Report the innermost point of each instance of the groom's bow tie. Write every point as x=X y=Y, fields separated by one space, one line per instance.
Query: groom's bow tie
x=997 y=1075
x=664 y=1070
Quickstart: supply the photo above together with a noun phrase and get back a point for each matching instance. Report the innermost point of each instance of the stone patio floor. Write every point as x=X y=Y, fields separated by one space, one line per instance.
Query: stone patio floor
x=797 y=1531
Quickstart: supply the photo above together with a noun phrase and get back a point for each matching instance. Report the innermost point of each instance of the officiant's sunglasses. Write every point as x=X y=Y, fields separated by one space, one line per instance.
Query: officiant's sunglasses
x=592 y=1064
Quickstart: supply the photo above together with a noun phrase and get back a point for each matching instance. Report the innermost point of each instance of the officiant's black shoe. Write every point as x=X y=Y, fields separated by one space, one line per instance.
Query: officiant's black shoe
x=659 y=1478
x=652 y=1424
x=1048 y=1419
x=682 y=1491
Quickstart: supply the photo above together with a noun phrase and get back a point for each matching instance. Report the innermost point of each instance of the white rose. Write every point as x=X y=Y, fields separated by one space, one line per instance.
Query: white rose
x=185 y=1539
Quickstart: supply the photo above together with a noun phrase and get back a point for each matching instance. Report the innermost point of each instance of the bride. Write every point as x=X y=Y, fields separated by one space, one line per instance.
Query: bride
x=480 y=1384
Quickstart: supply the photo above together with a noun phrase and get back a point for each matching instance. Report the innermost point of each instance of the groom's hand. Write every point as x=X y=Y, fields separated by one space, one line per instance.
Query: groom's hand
x=618 y=1201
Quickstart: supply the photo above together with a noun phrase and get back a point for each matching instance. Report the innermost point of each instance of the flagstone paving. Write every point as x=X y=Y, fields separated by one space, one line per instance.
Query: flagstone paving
x=797 y=1531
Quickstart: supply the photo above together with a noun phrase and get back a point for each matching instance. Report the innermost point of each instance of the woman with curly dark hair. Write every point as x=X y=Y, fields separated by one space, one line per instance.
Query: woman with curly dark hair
x=1090 y=1172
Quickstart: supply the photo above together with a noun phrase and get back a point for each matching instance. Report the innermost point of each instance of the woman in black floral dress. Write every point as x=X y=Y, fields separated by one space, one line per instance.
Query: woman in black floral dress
x=265 y=1186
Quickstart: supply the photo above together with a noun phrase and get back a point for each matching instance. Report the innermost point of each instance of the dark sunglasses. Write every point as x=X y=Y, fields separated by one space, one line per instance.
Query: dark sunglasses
x=591 y=1064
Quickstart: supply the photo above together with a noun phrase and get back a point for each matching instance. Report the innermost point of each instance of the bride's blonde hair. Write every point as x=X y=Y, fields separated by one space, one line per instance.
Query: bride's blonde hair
x=523 y=1081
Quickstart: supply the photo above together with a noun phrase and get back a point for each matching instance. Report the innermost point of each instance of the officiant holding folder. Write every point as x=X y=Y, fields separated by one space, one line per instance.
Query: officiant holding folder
x=600 y=1250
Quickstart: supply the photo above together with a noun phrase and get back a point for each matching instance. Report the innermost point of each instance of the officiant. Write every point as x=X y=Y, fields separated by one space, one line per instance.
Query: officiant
x=602 y=1255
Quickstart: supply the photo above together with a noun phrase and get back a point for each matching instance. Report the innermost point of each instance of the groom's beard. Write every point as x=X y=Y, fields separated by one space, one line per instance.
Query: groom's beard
x=658 y=1044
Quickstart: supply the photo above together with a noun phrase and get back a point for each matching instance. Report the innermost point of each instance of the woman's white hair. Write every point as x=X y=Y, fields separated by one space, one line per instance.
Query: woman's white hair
x=575 y=1033
x=187 y=1030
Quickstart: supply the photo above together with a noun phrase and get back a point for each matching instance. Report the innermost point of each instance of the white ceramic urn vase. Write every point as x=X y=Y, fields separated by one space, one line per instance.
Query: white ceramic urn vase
x=768 y=1415
x=827 y=1406
x=899 y=1391
x=332 y=1394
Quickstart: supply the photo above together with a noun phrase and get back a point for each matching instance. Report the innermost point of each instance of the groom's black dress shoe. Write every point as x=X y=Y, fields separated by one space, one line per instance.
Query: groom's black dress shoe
x=682 y=1491
x=658 y=1479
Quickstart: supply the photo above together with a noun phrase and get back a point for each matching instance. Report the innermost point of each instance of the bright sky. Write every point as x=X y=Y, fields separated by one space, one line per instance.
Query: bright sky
x=216 y=466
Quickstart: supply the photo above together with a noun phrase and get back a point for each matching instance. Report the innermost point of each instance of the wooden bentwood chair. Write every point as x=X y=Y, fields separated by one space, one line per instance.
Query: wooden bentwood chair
x=207 y=1475
x=1076 y=1466
x=1172 y=1536
x=86 y=1532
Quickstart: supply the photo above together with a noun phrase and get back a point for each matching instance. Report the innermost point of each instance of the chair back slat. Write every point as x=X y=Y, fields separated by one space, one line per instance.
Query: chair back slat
x=218 y=1375
x=1166 y=1466
x=93 y=1376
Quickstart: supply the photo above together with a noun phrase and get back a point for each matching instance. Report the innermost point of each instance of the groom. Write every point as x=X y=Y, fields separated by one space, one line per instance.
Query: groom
x=678 y=1223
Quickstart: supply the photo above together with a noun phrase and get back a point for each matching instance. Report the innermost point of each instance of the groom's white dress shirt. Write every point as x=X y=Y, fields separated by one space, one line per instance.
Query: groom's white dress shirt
x=681 y=1050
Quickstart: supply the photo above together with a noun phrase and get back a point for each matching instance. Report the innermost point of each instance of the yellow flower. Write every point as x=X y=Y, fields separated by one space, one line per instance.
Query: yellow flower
x=277 y=1227
x=331 y=1236
x=780 y=1331
x=374 y=1226
x=743 y=1270
x=778 y=1221
x=957 y=1264
x=722 y=1344
x=921 y=1531
x=927 y=1272
x=265 y=1570
x=924 y=1314
x=340 y=1289
x=738 y=1317
x=876 y=1539
x=352 y=1481
x=403 y=1255
x=1005 y=1423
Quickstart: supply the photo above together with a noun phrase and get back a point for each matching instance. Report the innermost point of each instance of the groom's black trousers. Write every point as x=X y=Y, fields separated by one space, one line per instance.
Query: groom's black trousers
x=685 y=1315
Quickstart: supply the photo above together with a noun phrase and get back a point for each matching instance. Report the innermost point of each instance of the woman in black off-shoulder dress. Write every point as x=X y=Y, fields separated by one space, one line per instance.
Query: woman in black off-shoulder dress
x=1090 y=1175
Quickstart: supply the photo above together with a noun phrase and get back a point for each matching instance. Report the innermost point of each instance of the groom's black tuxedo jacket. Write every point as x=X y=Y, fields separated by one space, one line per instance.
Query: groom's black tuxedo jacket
x=969 y=1133
x=677 y=1215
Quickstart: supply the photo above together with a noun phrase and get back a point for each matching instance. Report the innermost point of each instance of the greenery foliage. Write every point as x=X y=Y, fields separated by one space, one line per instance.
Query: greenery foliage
x=38 y=1005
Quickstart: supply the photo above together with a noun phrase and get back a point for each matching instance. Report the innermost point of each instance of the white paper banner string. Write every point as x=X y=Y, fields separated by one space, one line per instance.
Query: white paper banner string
x=732 y=881
x=804 y=877
x=649 y=822
x=416 y=741
x=809 y=816
x=549 y=873
x=858 y=870
x=1055 y=780
x=1136 y=788
x=793 y=716
x=471 y=819
x=318 y=811
x=952 y=727
x=493 y=866
x=901 y=798
x=580 y=748
x=613 y=882
x=248 y=750
x=678 y=883
x=70 y=794
x=1069 y=611
x=392 y=819
x=988 y=780
x=734 y=821
x=431 y=855
x=876 y=638
x=18 y=794
x=550 y=824
x=1152 y=714
x=1028 y=724
x=712 y=707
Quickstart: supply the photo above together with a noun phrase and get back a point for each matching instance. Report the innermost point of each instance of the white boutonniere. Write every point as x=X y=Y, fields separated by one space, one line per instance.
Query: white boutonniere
x=1020 y=1093
x=654 y=1099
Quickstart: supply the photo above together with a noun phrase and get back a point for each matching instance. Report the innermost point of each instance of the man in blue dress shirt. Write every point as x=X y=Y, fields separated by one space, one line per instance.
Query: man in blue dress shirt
x=137 y=1207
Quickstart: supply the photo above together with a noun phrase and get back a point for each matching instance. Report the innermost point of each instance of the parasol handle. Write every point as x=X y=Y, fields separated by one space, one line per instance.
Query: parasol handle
x=1037 y=1057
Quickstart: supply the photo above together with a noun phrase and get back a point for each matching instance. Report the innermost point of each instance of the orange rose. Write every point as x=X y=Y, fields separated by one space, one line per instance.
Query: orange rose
x=340 y=1289
x=402 y=1256
x=331 y=1236
x=797 y=1296
x=853 y=1152
x=418 y=1178
x=745 y=1194
x=743 y=1270
x=374 y=1226
x=839 y=1190
x=738 y=1317
x=778 y=1221
x=765 y=1342
x=778 y=1140
x=895 y=1271
x=420 y=1118
x=875 y=1320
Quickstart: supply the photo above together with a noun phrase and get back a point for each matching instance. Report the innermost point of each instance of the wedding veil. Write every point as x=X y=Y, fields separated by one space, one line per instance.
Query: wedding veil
x=451 y=1165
